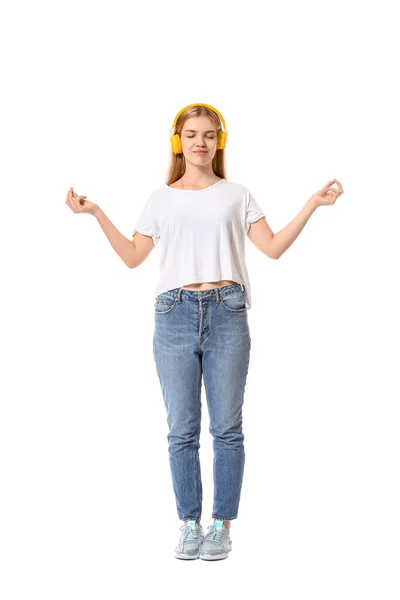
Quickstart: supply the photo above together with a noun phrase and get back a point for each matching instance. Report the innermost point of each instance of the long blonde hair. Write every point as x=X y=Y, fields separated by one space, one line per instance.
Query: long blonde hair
x=177 y=163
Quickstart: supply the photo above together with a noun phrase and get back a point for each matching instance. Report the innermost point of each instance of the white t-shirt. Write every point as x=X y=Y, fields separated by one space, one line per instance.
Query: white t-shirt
x=201 y=233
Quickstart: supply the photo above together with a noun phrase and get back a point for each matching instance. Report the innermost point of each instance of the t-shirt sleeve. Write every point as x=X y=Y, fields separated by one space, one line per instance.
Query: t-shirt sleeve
x=253 y=210
x=146 y=223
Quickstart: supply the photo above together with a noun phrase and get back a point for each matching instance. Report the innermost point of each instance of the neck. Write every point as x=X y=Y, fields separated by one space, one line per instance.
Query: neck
x=198 y=176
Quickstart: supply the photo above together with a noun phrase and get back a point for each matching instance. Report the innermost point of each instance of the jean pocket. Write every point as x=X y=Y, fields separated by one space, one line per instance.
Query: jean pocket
x=234 y=302
x=164 y=304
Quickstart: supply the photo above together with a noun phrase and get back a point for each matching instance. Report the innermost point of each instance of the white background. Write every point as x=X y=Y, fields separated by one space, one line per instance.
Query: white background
x=89 y=93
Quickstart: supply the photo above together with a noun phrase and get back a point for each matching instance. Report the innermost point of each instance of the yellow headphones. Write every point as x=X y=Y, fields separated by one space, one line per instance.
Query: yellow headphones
x=221 y=138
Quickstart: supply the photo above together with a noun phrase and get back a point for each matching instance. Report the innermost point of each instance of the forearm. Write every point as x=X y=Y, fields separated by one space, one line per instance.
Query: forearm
x=122 y=246
x=284 y=238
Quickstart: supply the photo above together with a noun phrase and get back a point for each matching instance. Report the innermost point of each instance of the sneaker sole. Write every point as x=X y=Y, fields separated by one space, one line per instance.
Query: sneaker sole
x=217 y=556
x=186 y=557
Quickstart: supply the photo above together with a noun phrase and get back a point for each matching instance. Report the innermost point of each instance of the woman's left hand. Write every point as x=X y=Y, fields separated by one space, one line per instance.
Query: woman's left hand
x=328 y=194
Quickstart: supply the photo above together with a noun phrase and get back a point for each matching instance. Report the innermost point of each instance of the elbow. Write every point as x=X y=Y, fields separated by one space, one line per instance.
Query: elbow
x=272 y=251
x=272 y=254
x=130 y=263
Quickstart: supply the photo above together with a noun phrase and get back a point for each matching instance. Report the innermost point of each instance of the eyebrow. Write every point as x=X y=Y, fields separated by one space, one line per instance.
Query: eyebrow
x=194 y=131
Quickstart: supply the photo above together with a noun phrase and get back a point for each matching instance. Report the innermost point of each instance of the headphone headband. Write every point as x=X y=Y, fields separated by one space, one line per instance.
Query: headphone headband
x=199 y=104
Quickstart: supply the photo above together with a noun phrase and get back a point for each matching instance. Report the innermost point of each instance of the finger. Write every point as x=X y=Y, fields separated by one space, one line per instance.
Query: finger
x=323 y=189
x=75 y=202
x=69 y=198
x=76 y=195
x=329 y=183
x=79 y=198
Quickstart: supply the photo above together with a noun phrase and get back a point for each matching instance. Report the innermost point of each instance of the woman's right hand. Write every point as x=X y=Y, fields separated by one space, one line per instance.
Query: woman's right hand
x=79 y=204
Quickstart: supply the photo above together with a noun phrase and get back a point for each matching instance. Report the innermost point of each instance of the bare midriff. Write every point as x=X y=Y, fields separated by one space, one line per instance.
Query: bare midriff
x=209 y=285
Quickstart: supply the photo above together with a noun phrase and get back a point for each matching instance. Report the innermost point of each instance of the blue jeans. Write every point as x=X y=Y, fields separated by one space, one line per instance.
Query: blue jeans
x=203 y=333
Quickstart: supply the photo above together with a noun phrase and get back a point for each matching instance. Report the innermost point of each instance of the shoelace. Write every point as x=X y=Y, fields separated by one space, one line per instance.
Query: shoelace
x=189 y=533
x=214 y=534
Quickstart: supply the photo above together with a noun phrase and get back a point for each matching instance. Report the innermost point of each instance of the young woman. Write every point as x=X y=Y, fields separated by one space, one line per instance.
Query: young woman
x=200 y=314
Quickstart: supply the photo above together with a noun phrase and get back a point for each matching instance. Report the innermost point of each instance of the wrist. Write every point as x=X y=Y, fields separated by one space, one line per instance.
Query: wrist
x=312 y=202
x=96 y=211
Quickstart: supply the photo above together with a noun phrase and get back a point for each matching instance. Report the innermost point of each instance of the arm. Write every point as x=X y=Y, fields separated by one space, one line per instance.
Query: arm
x=122 y=246
x=282 y=240
x=326 y=196
x=274 y=245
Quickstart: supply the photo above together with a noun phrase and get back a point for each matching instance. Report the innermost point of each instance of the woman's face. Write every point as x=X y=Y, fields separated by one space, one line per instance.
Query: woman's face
x=199 y=133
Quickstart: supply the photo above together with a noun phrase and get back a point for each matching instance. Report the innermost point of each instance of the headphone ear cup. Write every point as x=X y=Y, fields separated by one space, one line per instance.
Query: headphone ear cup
x=176 y=145
x=222 y=139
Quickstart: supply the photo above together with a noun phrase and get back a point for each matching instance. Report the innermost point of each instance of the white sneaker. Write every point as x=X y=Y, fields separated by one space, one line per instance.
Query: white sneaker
x=190 y=541
x=217 y=542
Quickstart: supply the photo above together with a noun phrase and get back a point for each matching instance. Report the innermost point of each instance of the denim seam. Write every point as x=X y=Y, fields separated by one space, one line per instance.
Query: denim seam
x=196 y=455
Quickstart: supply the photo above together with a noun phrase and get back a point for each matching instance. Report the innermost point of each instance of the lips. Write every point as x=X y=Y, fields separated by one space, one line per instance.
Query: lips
x=200 y=152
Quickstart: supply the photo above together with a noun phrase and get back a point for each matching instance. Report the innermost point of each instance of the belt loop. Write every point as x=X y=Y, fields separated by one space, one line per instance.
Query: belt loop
x=217 y=294
x=242 y=286
x=179 y=294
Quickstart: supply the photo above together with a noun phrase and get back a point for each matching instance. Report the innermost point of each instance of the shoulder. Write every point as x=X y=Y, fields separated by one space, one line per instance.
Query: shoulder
x=236 y=185
x=158 y=197
x=238 y=188
x=157 y=193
